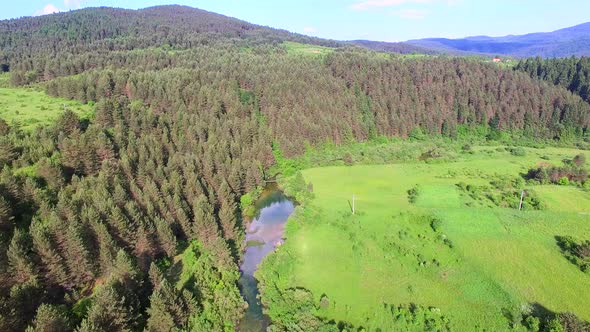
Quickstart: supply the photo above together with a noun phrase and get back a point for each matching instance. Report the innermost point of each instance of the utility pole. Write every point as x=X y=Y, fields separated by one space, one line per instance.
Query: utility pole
x=352 y=203
x=521 y=197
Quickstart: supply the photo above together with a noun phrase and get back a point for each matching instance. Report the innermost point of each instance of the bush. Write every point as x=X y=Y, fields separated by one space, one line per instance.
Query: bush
x=572 y=171
x=348 y=161
x=564 y=181
x=417 y=134
x=435 y=224
x=324 y=301
x=579 y=160
x=413 y=193
x=518 y=151
x=577 y=253
x=502 y=192
x=532 y=323
x=296 y=187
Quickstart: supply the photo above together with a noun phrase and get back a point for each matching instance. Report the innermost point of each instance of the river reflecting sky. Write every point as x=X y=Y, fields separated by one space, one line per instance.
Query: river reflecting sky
x=267 y=229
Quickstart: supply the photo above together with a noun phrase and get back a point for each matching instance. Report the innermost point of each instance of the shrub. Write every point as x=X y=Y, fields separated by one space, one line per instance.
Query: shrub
x=573 y=170
x=502 y=192
x=435 y=224
x=413 y=193
x=417 y=134
x=434 y=153
x=324 y=301
x=564 y=181
x=532 y=323
x=347 y=158
x=296 y=187
x=577 y=253
x=518 y=151
x=579 y=160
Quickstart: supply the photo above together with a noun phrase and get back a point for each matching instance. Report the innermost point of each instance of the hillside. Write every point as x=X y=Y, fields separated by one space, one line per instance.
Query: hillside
x=570 y=73
x=110 y=29
x=129 y=212
x=401 y=47
x=560 y=43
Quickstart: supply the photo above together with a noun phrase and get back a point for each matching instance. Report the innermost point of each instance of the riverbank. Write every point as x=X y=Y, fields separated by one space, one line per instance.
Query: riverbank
x=264 y=233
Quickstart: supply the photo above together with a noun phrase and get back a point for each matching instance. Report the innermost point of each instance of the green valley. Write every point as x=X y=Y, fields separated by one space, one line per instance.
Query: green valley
x=482 y=267
x=173 y=169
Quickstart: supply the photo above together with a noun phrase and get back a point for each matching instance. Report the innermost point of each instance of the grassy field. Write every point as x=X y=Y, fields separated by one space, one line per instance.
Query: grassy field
x=30 y=108
x=478 y=265
x=306 y=49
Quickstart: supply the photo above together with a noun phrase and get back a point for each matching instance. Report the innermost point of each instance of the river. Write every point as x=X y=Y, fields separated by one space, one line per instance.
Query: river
x=263 y=235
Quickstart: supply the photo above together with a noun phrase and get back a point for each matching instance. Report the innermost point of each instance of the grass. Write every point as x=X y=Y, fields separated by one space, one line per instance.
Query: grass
x=306 y=49
x=30 y=108
x=480 y=263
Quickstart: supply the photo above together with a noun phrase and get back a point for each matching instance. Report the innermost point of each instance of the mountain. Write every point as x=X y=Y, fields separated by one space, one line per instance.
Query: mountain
x=123 y=29
x=130 y=219
x=560 y=43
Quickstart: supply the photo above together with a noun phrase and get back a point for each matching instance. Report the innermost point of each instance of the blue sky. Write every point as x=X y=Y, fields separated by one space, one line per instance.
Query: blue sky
x=386 y=20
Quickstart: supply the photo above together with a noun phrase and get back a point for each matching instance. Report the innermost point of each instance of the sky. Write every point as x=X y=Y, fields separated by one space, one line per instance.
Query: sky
x=382 y=20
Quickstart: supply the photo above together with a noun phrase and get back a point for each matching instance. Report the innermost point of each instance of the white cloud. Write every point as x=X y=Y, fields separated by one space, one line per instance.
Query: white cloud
x=68 y=4
x=48 y=9
x=309 y=29
x=411 y=14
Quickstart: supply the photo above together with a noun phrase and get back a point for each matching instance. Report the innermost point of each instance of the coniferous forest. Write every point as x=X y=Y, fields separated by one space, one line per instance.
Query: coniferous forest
x=131 y=219
x=571 y=73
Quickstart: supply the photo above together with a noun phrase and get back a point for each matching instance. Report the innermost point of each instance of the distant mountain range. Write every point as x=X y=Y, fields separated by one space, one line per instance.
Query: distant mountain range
x=560 y=43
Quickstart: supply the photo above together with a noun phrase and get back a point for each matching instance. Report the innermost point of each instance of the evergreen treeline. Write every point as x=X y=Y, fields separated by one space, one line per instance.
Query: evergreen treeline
x=349 y=95
x=129 y=220
x=103 y=202
x=571 y=73
x=26 y=43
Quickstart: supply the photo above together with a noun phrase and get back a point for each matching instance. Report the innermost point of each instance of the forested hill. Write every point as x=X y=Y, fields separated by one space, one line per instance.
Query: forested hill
x=571 y=73
x=131 y=219
x=108 y=29
x=560 y=43
x=397 y=47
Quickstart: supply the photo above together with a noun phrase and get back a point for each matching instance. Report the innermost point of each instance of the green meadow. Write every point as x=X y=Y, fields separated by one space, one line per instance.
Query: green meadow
x=480 y=264
x=29 y=108
x=306 y=49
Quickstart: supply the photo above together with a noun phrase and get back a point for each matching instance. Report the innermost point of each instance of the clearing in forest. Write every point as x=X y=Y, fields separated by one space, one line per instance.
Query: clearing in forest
x=440 y=235
x=30 y=108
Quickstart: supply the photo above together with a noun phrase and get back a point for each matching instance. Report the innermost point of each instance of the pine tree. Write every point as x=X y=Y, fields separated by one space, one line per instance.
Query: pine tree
x=20 y=264
x=50 y=318
x=67 y=123
x=204 y=225
x=166 y=238
x=160 y=320
x=77 y=256
x=107 y=313
x=56 y=271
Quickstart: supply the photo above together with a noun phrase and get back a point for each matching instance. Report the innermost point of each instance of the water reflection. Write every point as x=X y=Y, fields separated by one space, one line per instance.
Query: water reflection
x=266 y=231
